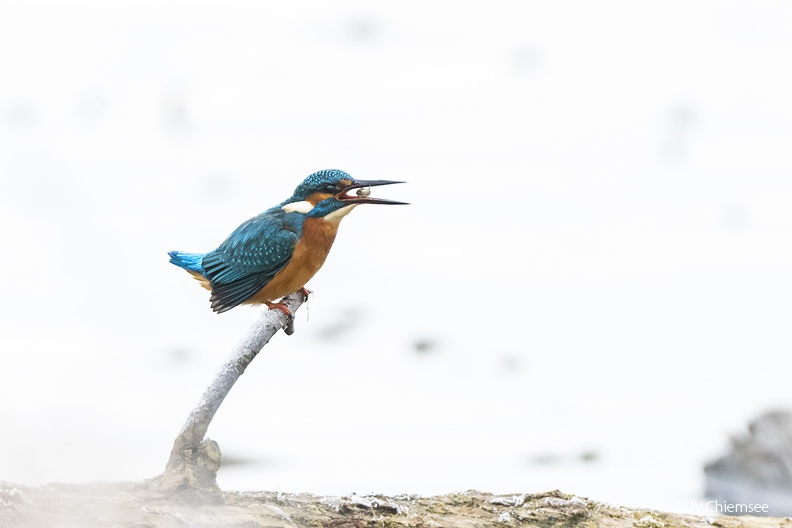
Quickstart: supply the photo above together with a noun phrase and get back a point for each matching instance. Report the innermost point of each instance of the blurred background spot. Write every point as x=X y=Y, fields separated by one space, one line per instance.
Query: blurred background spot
x=217 y=187
x=179 y=355
x=20 y=114
x=344 y=323
x=733 y=217
x=91 y=107
x=362 y=28
x=174 y=114
x=511 y=363
x=526 y=60
x=424 y=345
x=681 y=119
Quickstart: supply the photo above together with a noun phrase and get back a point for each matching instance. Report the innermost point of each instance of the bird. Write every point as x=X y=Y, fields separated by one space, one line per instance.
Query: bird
x=276 y=252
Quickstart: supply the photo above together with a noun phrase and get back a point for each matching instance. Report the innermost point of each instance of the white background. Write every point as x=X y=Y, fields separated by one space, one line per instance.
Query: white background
x=595 y=264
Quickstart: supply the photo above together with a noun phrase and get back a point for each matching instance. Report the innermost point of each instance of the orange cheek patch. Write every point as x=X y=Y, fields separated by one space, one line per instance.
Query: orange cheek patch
x=315 y=198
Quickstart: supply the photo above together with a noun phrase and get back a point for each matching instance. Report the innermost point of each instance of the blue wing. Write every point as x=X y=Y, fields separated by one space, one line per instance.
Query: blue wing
x=249 y=258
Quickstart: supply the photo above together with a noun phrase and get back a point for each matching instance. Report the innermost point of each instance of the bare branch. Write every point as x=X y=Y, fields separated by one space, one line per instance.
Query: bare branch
x=194 y=461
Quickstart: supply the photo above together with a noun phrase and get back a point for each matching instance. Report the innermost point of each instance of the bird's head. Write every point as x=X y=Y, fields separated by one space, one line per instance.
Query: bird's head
x=333 y=193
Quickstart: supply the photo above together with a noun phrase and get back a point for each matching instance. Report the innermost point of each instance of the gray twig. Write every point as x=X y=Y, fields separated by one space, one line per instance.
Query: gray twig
x=194 y=461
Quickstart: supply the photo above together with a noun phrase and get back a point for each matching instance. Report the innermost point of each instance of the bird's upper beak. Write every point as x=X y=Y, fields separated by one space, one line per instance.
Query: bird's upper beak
x=361 y=196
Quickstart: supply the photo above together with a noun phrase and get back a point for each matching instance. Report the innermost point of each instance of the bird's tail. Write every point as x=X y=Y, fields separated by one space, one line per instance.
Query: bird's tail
x=189 y=261
x=192 y=262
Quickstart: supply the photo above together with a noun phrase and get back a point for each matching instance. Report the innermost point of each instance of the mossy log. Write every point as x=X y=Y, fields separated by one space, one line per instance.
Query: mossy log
x=141 y=505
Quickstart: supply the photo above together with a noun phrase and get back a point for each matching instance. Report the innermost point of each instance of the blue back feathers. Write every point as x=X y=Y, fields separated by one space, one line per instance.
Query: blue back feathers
x=248 y=259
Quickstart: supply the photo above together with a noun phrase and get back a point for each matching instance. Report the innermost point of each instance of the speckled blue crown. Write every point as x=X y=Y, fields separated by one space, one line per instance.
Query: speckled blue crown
x=316 y=180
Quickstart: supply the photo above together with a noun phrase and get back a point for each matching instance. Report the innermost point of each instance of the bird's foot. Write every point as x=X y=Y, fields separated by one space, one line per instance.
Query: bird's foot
x=289 y=328
x=279 y=306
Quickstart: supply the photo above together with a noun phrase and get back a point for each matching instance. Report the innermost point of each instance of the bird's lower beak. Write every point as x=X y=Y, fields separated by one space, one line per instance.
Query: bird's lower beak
x=362 y=195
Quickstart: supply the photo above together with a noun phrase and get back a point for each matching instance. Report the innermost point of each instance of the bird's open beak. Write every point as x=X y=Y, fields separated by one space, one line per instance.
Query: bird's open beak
x=362 y=195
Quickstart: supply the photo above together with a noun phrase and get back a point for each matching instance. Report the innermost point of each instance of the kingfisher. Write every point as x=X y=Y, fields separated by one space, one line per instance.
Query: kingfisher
x=277 y=252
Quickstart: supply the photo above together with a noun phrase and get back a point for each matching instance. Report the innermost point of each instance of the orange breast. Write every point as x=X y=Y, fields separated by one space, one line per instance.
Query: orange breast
x=309 y=255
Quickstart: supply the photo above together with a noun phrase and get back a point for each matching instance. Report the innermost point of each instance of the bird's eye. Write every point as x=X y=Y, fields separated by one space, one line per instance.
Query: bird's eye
x=330 y=188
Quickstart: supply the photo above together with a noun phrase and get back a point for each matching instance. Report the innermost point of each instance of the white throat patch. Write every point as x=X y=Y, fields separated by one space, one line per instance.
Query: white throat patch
x=298 y=207
x=336 y=216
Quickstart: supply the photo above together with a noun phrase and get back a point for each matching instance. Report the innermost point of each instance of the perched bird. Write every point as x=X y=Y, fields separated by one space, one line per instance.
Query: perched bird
x=277 y=252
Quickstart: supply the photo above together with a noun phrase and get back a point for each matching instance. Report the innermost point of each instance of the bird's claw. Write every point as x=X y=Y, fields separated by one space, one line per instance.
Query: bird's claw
x=279 y=306
x=289 y=327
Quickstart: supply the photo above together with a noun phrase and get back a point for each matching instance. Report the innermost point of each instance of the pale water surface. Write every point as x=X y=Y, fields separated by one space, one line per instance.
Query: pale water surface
x=590 y=292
